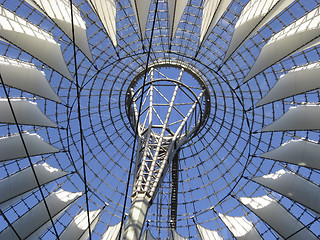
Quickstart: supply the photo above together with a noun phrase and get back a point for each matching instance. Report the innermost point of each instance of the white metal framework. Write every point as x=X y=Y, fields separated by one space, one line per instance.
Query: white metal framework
x=165 y=114
x=159 y=119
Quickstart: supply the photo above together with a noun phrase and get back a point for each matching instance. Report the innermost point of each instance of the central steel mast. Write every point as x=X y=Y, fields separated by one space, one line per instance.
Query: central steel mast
x=164 y=126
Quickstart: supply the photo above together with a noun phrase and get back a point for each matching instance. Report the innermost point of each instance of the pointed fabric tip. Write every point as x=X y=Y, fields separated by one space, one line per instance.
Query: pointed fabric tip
x=176 y=10
x=141 y=10
x=212 y=12
x=106 y=10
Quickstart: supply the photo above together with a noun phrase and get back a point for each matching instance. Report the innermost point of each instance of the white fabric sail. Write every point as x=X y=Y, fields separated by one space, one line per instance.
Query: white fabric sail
x=24 y=181
x=296 y=81
x=278 y=218
x=147 y=235
x=32 y=40
x=106 y=10
x=207 y=234
x=176 y=235
x=11 y=147
x=32 y=224
x=254 y=16
x=60 y=12
x=78 y=227
x=303 y=117
x=240 y=227
x=26 y=77
x=26 y=113
x=298 y=36
x=294 y=187
x=212 y=12
x=141 y=11
x=176 y=9
x=112 y=232
x=300 y=152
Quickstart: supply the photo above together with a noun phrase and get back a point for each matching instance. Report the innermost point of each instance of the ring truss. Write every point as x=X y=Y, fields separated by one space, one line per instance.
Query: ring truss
x=69 y=141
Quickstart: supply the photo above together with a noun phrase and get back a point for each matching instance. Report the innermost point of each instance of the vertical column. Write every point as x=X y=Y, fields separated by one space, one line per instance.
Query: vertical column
x=138 y=212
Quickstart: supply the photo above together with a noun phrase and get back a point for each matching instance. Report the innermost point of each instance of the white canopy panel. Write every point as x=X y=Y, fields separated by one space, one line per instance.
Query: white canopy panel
x=240 y=227
x=11 y=147
x=106 y=10
x=176 y=235
x=37 y=234
x=26 y=113
x=212 y=12
x=32 y=40
x=176 y=9
x=141 y=11
x=253 y=17
x=294 y=187
x=296 y=81
x=147 y=235
x=207 y=234
x=112 y=232
x=78 y=227
x=24 y=181
x=277 y=217
x=32 y=223
x=300 y=152
x=298 y=36
x=60 y=12
x=26 y=77
x=303 y=117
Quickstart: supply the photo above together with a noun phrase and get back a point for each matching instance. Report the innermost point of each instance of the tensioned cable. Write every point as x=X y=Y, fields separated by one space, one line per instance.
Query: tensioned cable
x=80 y=121
x=139 y=113
x=28 y=156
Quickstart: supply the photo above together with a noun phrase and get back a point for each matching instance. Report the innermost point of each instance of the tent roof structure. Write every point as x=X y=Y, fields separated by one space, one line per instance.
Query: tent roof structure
x=224 y=92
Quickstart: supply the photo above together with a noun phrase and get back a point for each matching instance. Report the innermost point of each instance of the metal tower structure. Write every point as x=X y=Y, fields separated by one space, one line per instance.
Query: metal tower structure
x=165 y=113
